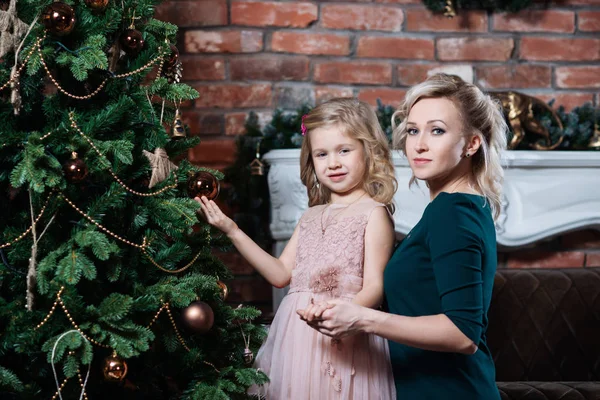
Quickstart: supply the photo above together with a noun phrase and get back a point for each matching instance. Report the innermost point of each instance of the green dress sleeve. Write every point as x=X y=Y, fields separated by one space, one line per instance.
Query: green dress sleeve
x=454 y=238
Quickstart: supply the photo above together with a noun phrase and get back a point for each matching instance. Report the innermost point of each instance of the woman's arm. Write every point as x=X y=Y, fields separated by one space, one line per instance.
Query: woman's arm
x=277 y=271
x=379 y=243
x=432 y=332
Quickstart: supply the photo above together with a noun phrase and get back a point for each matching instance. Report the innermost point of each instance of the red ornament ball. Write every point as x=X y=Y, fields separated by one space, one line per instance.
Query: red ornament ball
x=198 y=317
x=203 y=184
x=132 y=41
x=58 y=18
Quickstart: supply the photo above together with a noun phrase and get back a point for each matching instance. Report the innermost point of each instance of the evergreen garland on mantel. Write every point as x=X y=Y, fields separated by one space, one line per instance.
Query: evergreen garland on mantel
x=248 y=195
x=453 y=7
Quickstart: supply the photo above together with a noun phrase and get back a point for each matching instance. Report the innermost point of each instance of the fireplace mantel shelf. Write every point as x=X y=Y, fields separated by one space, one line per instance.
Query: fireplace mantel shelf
x=545 y=194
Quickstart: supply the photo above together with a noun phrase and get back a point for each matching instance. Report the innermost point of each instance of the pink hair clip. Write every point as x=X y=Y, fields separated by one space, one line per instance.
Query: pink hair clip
x=302 y=126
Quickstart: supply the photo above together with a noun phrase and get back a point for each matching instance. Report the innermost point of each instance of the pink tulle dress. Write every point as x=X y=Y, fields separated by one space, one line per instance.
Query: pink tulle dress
x=303 y=364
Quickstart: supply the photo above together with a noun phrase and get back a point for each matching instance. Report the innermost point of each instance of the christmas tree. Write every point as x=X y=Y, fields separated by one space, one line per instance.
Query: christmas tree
x=108 y=285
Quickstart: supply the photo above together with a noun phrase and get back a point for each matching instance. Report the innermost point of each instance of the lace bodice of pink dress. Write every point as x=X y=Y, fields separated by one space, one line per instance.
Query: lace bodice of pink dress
x=302 y=363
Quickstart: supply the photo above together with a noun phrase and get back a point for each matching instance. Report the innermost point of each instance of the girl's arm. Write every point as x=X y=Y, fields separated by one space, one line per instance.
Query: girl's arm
x=277 y=271
x=379 y=244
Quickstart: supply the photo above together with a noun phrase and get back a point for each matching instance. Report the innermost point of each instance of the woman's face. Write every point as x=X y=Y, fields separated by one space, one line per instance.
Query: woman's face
x=435 y=142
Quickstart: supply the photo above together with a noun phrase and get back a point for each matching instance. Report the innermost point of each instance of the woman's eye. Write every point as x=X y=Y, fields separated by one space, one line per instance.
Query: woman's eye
x=412 y=131
x=344 y=151
x=320 y=154
x=437 y=131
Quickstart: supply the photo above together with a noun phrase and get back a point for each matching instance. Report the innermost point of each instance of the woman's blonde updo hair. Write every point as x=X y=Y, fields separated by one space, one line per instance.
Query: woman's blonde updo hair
x=480 y=115
x=360 y=122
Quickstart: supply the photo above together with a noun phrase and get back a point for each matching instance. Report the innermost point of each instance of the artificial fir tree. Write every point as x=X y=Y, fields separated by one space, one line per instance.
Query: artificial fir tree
x=105 y=266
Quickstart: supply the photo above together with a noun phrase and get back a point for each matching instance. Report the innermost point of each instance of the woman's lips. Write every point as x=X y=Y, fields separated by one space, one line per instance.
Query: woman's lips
x=421 y=161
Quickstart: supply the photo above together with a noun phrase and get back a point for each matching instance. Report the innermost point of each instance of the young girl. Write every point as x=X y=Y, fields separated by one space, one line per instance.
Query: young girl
x=338 y=251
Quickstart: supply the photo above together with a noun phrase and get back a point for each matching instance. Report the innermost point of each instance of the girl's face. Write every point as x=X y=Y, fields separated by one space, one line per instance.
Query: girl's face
x=435 y=142
x=339 y=160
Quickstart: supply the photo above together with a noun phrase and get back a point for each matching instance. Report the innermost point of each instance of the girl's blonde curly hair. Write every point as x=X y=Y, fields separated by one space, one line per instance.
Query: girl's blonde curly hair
x=360 y=122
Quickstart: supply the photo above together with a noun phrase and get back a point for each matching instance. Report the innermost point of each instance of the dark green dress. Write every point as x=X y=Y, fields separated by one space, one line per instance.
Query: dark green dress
x=446 y=264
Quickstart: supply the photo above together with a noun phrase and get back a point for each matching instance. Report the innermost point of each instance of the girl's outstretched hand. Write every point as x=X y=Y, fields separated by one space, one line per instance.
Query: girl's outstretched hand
x=214 y=216
x=336 y=318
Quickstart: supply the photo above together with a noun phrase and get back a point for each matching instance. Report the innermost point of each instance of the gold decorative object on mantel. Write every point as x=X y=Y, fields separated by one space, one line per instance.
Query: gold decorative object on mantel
x=594 y=142
x=449 y=10
x=518 y=108
x=256 y=166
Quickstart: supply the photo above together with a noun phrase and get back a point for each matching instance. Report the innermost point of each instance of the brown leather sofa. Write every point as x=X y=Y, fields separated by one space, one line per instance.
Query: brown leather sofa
x=544 y=333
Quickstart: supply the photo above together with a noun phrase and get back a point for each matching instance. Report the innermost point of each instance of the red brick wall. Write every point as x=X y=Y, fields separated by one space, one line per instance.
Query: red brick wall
x=258 y=55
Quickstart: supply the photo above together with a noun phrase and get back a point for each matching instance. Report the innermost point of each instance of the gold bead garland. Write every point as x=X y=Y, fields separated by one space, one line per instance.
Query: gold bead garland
x=21 y=236
x=171 y=271
x=38 y=46
x=51 y=310
x=61 y=388
x=143 y=247
x=165 y=306
x=99 y=88
x=65 y=198
x=65 y=382
x=81 y=384
x=59 y=301
x=18 y=73
x=107 y=164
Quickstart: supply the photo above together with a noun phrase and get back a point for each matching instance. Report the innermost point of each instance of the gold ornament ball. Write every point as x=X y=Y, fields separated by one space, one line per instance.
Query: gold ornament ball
x=198 y=317
x=224 y=290
x=97 y=5
x=115 y=368
x=203 y=184
x=75 y=169
x=132 y=41
x=248 y=356
x=58 y=18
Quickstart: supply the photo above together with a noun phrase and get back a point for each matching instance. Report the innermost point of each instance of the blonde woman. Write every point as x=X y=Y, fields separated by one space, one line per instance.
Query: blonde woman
x=438 y=283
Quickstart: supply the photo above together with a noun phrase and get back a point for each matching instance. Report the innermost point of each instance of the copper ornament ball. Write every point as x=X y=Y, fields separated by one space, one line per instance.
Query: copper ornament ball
x=198 y=317
x=248 y=356
x=203 y=184
x=97 y=5
x=115 y=368
x=58 y=18
x=132 y=41
x=172 y=57
x=75 y=169
x=224 y=292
